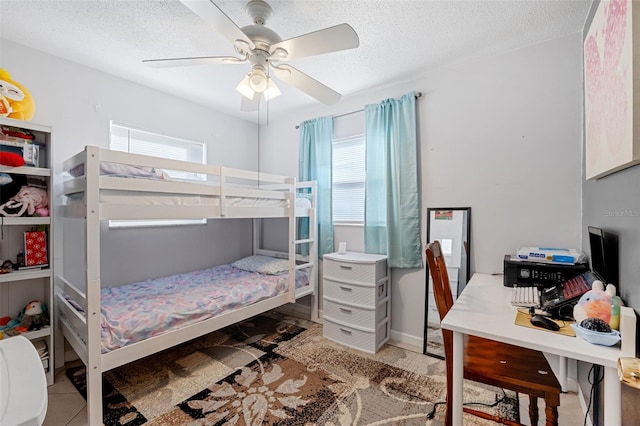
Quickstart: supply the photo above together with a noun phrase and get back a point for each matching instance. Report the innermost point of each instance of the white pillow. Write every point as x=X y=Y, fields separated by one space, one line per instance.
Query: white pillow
x=263 y=264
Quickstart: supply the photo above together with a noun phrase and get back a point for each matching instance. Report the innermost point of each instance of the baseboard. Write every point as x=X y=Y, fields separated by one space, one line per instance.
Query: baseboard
x=572 y=385
x=406 y=341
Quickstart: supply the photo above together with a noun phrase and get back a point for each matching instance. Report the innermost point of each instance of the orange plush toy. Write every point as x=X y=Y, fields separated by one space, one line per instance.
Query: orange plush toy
x=15 y=101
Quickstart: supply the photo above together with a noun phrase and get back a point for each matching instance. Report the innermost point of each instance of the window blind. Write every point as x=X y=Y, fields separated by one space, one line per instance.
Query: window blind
x=348 y=166
x=147 y=143
x=136 y=141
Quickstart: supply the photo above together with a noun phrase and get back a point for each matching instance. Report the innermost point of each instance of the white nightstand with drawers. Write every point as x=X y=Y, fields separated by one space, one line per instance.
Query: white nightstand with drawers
x=357 y=300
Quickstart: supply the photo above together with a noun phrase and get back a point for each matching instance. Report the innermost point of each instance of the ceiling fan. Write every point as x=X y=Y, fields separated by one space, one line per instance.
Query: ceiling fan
x=264 y=50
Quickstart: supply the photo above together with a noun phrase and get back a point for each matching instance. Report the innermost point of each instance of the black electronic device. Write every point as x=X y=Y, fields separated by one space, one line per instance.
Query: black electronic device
x=524 y=273
x=604 y=256
x=560 y=299
x=544 y=322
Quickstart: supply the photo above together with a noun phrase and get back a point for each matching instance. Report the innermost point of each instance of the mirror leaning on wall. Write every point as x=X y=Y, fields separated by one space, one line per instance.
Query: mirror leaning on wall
x=452 y=227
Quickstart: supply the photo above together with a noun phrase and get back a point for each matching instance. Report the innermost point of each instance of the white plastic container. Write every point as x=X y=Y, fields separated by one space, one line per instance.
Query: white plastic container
x=549 y=254
x=23 y=385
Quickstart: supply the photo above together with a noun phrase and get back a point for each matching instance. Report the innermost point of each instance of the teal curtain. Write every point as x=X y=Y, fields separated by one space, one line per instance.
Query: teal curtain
x=392 y=202
x=315 y=164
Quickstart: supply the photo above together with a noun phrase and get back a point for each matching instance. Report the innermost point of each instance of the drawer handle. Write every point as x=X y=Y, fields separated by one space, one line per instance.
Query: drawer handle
x=347 y=310
x=346 y=267
x=346 y=288
x=346 y=330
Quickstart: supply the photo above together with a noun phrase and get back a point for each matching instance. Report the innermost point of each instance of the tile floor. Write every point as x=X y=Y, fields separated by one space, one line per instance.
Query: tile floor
x=68 y=408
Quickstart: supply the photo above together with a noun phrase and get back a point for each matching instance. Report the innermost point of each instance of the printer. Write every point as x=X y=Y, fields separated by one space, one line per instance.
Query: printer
x=530 y=273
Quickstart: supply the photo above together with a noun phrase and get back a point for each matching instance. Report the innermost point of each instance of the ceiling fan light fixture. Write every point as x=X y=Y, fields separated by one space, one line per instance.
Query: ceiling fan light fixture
x=258 y=80
x=271 y=91
x=245 y=88
x=264 y=49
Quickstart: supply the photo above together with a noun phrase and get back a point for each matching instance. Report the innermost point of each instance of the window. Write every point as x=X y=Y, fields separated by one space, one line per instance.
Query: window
x=124 y=138
x=348 y=168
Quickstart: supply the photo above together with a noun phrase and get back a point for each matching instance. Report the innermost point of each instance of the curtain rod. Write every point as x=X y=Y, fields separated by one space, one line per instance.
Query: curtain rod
x=418 y=96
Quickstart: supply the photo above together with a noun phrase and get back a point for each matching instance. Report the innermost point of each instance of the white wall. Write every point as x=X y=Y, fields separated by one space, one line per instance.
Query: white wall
x=501 y=135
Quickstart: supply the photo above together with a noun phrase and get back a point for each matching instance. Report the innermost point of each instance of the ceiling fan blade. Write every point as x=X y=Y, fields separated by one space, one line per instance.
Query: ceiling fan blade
x=219 y=20
x=332 y=39
x=201 y=60
x=250 y=105
x=306 y=84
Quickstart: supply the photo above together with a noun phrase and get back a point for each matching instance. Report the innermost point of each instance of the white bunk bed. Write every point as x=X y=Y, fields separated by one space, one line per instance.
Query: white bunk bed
x=93 y=194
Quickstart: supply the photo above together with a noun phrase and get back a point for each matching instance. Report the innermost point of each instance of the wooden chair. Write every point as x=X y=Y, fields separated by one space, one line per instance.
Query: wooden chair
x=493 y=363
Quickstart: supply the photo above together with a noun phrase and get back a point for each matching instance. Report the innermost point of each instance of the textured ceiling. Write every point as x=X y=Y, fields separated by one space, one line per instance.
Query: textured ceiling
x=398 y=39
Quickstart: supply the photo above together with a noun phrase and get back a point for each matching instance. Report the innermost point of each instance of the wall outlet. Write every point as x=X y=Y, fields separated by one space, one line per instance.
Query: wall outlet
x=342 y=248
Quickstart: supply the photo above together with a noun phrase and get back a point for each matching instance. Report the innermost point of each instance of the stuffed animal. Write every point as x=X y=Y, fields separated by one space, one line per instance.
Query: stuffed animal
x=34 y=317
x=597 y=303
x=11 y=159
x=15 y=101
x=5 y=106
x=42 y=212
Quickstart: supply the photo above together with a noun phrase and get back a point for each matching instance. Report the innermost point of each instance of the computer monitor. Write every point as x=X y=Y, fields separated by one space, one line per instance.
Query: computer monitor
x=603 y=256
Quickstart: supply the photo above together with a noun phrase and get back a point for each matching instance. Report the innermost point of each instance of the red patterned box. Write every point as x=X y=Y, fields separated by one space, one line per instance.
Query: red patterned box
x=35 y=248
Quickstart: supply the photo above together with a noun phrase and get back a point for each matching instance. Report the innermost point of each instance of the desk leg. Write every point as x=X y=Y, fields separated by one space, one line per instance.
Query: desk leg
x=563 y=373
x=612 y=395
x=458 y=378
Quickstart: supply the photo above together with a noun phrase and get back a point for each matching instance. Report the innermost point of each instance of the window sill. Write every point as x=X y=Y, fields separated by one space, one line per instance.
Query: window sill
x=349 y=224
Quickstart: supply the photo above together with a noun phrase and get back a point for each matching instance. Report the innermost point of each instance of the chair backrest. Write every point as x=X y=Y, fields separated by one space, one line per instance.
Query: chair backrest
x=442 y=294
x=440 y=279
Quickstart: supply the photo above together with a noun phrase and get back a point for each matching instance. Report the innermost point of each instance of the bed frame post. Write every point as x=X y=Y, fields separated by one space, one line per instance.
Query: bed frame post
x=292 y=239
x=256 y=234
x=223 y=191
x=92 y=241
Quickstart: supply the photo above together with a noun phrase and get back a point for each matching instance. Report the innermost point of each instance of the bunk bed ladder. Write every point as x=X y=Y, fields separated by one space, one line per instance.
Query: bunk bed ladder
x=312 y=258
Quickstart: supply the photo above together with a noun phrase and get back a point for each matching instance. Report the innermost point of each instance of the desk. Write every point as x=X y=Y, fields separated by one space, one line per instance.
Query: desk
x=483 y=310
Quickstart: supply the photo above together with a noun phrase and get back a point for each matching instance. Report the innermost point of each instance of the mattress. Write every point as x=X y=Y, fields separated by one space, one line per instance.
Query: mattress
x=134 y=312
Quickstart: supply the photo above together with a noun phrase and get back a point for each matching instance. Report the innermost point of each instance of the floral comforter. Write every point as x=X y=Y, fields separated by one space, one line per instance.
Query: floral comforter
x=134 y=312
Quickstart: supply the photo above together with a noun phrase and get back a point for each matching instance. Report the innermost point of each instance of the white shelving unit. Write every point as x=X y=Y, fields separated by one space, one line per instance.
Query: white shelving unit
x=20 y=287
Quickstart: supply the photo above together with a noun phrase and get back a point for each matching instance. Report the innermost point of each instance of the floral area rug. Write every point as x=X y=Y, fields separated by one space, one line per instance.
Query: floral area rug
x=278 y=370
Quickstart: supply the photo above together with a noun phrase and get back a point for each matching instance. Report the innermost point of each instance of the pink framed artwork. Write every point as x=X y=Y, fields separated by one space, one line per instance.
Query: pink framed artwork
x=609 y=90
